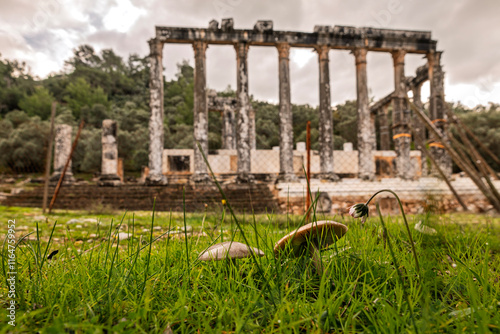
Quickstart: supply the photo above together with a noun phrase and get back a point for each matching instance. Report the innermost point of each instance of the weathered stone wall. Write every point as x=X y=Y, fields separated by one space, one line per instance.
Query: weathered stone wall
x=426 y=194
x=243 y=198
x=268 y=162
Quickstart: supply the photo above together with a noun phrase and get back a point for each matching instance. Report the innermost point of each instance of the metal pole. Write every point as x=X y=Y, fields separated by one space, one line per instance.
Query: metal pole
x=49 y=157
x=59 y=183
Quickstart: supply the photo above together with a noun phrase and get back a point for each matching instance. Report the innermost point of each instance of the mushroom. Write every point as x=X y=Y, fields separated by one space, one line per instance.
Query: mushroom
x=311 y=238
x=229 y=250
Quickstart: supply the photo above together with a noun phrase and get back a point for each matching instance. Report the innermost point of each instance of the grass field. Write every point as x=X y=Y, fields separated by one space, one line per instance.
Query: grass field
x=153 y=283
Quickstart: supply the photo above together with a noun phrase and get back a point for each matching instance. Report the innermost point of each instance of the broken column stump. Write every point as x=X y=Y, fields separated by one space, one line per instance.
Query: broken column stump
x=62 y=150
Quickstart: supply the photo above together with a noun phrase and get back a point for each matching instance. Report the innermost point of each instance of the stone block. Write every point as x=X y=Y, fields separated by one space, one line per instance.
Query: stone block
x=227 y=25
x=213 y=25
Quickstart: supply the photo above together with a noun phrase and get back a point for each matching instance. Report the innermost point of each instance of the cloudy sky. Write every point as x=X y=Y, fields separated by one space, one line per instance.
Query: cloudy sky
x=44 y=32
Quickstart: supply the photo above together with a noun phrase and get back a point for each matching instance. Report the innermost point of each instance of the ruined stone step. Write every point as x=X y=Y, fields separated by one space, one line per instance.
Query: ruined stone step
x=246 y=198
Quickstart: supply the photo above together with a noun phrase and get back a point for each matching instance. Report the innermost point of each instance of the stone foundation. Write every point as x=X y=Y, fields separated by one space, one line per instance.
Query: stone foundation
x=424 y=195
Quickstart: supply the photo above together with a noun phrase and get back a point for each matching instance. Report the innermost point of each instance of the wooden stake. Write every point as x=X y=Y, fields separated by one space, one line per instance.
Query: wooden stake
x=49 y=157
x=454 y=155
x=475 y=155
x=421 y=146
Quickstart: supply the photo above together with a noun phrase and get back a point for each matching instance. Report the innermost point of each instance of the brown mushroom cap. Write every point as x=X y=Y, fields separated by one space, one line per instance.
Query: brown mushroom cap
x=229 y=250
x=322 y=234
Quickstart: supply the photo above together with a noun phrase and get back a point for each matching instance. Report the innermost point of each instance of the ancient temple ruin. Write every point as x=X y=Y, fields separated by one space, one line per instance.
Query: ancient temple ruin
x=239 y=121
x=240 y=160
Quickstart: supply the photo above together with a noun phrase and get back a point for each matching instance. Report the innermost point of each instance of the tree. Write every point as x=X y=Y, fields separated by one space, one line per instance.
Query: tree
x=484 y=122
x=88 y=151
x=15 y=82
x=80 y=94
x=83 y=56
x=24 y=149
x=17 y=117
x=38 y=104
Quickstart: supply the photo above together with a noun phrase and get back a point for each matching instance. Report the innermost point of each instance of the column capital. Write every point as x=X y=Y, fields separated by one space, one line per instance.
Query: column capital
x=434 y=58
x=398 y=57
x=241 y=49
x=322 y=51
x=360 y=55
x=283 y=50
x=200 y=47
x=155 y=47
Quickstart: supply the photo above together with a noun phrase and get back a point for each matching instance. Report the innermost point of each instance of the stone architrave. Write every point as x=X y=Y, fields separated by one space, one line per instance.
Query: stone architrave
x=200 y=111
x=325 y=117
x=437 y=113
x=156 y=146
x=62 y=150
x=400 y=119
x=243 y=115
x=366 y=130
x=285 y=113
x=109 y=171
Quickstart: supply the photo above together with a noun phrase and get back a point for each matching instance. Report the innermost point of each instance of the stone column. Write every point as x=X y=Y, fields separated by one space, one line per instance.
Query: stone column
x=156 y=176
x=373 y=132
x=437 y=112
x=62 y=149
x=253 y=136
x=109 y=171
x=366 y=136
x=243 y=114
x=418 y=126
x=228 y=128
x=200 y=112
x=325 y=117
x=286 y=126
x=400 y=117
x=385 y=139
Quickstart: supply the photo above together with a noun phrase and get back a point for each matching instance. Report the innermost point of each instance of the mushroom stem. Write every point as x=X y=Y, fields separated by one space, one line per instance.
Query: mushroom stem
x=316 y=258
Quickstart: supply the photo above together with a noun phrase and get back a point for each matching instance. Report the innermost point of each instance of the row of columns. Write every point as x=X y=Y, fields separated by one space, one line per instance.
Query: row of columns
x=246 y=122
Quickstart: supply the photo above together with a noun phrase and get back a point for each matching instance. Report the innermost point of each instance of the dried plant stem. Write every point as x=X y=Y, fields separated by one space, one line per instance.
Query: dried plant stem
x=404 y=219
